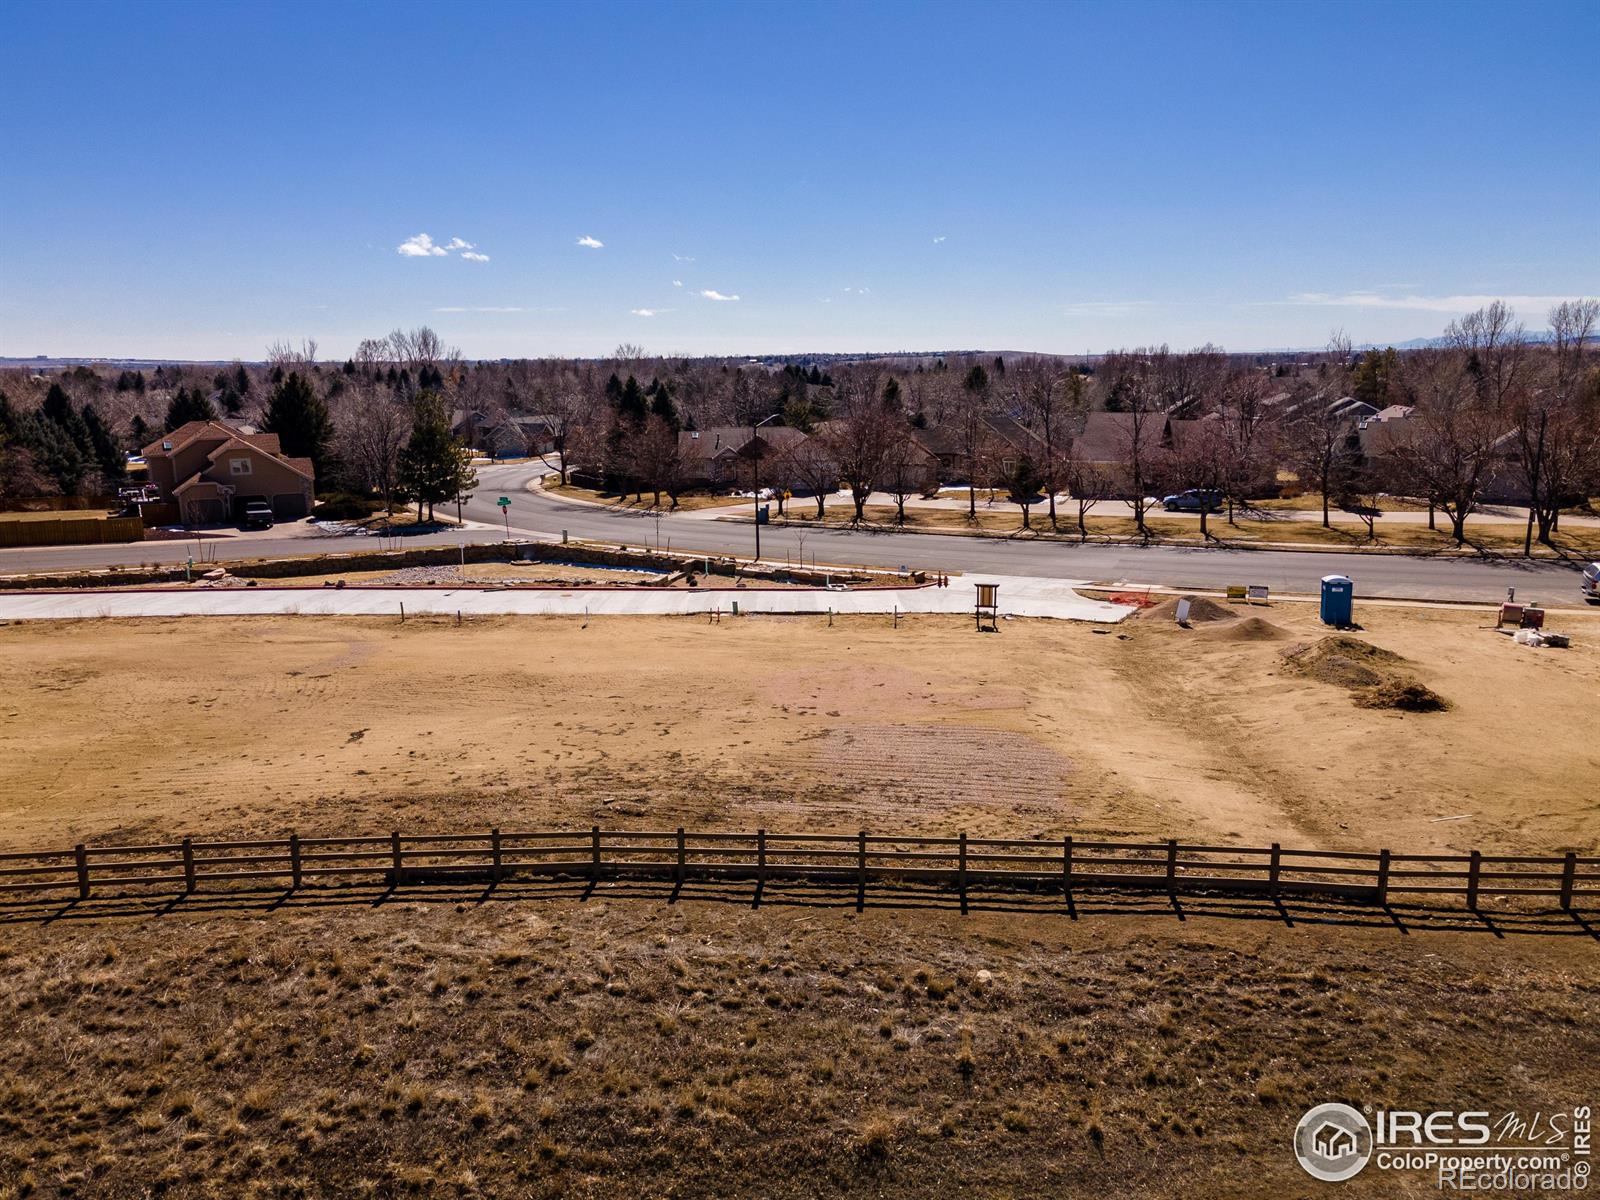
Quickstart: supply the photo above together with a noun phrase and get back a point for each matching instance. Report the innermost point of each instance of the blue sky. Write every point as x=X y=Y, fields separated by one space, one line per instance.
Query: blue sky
x=201 y=179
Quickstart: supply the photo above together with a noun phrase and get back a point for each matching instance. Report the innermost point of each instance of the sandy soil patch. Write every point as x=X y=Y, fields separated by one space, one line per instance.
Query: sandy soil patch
x=121 y=729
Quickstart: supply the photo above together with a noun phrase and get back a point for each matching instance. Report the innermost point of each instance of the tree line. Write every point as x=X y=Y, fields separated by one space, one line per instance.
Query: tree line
x=392 y=420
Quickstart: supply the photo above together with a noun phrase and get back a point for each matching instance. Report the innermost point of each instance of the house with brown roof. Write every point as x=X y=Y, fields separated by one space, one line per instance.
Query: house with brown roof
x=209 y=469
x=1003 y=441
x=722 y=455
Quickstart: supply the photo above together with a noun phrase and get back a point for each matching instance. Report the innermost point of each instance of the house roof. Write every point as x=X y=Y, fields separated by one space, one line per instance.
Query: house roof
x=193 y=431
x=1107 y=436
x=1005 y=426
x=718 y=439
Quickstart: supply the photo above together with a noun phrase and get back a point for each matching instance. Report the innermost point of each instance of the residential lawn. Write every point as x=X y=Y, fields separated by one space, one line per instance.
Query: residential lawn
x=1007 y=519
x=689 y=503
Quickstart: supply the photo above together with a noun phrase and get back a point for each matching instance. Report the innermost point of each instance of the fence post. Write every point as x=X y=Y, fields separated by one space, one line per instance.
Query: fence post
x=1275 y=869
x=1569 y=870
x=1172 y=866
x=81 y=855
x=394 y=857
x=494 y=852
x=294 y=859
x=1472 y=880
x=761 y=856
x=1066 y=864
x=679 y=873
x=188 y=866
x=1383 y=879
x=594 y=850
x=961 y=868
x=861 y=870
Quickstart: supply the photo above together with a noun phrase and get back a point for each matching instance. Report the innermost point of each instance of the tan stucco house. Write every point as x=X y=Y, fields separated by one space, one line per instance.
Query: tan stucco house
x=210 y=469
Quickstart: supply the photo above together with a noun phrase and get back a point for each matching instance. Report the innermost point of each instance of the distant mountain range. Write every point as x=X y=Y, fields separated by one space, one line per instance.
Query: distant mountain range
x=46 y=362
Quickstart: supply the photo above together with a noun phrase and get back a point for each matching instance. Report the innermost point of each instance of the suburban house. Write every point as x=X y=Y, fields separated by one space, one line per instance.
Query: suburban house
x=1003 y=441
x=721 y=456
x=1106 y=444
x=209 y=469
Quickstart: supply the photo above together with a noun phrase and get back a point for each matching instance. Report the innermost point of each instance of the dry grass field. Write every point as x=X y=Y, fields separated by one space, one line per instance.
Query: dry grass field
x=1004 y=518
x=536 y=1041
x=255 y=726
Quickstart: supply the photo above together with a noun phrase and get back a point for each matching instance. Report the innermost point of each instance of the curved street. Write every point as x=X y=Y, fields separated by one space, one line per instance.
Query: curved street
x=540 y=515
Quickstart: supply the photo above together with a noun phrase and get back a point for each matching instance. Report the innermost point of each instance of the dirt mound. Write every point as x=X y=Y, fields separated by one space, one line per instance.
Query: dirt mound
x=1370 y=671
x=1251 y=629
x=1340 y=658
x=1408 y=695
x=1201 y=611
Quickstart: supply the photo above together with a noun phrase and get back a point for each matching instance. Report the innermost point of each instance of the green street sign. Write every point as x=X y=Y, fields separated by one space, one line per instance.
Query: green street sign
x=504 y=502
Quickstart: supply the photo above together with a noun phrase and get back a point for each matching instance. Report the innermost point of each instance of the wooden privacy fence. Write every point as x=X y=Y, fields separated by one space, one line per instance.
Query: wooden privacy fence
x=857 y=859
x=71 y=530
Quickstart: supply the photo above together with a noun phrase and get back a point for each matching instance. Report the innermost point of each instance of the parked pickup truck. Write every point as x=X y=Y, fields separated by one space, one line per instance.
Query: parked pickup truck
x=1194 y=500
x=257 y=515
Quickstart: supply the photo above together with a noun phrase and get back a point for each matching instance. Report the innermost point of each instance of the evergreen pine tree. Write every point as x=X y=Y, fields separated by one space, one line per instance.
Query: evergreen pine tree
x=434 y=467
x=187 y=406
x=300 y=419
x=103 y=444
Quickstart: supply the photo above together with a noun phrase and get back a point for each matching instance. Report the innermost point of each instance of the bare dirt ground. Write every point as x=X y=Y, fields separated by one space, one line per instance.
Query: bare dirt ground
x=534 y=1042
x=255 y=726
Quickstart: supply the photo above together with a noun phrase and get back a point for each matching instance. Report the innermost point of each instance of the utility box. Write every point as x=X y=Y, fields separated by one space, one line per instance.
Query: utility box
x=1510 y=614
x=1338 y=600
x=1533 y=618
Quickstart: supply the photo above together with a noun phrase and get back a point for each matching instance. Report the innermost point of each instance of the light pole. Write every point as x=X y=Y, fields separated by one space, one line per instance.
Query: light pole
x=755 y=476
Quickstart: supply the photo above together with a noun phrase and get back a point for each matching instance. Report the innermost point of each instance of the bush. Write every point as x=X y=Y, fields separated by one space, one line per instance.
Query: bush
x=345 y=506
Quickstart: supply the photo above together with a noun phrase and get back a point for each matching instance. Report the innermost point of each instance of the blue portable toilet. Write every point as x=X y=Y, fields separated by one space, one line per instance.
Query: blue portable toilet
x=1338 y=600
x=763 y=514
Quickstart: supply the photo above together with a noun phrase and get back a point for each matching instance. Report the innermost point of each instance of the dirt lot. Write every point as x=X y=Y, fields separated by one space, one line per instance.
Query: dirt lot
x=532 y=1041
x=117 y=730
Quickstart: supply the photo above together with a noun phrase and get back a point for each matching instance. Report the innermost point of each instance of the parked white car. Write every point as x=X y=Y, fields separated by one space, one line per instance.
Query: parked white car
x=1591 y=583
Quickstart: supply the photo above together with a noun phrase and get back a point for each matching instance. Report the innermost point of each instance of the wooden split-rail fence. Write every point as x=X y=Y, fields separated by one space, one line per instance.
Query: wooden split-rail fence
x=1064 y=865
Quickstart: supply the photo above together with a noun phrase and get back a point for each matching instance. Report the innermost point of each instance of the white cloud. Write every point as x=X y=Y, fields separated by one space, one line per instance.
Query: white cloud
x=713 y=294
x=939 y=239
x=677 y=283
x=1106 y=308
x=682 y=258
x=858 y=291
x=1435 y=304
x=421 y=246
x=648 y=312
x=482 y=308
x=591 y=243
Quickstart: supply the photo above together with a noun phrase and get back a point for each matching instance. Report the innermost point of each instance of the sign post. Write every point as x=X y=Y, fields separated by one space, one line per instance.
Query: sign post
x=988 y=606
x=505 y=512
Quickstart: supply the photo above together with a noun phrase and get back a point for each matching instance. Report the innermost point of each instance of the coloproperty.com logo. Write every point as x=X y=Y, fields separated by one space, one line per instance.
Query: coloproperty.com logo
x=1475 y=1151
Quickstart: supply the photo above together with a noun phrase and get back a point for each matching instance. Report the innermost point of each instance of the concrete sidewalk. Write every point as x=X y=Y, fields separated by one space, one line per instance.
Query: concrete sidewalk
x=1019 y=596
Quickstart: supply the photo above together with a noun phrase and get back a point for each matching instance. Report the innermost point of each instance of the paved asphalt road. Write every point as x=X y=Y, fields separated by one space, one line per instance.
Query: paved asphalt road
x=539 y=516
